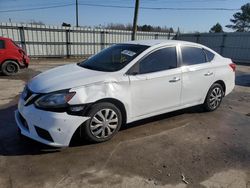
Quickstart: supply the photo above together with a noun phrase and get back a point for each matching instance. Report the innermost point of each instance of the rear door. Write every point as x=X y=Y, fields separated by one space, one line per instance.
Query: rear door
x=197 y=75
x=155 y=83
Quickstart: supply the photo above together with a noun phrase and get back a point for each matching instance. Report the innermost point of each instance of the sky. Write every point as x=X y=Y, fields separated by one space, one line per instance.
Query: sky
x=186 y=20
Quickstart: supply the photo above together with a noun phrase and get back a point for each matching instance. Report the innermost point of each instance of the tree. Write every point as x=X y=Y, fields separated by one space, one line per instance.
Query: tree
x=34 y=22
x=241 y=20
x=217 y=28
x=145 y=27
x=66 y=24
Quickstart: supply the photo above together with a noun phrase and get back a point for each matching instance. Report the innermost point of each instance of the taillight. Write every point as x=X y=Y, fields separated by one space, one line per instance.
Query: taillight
x=233 y=66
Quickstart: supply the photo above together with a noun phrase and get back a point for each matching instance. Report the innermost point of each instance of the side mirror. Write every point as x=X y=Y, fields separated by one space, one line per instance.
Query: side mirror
x=133 y=73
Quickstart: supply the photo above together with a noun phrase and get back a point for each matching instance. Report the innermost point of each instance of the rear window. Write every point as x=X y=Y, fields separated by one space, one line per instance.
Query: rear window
x=2 y=44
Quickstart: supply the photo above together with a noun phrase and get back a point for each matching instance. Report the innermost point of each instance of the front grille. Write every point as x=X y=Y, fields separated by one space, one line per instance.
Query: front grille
x=43 y=134
x=23 y=121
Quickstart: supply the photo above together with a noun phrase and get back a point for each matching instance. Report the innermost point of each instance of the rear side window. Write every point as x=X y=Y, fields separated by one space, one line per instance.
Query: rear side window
x=210 y=55
x=159 y=60
x=2 y=44
x=192 y=56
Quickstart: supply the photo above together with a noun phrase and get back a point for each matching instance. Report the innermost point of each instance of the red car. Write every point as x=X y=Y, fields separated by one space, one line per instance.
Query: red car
x=12 y=57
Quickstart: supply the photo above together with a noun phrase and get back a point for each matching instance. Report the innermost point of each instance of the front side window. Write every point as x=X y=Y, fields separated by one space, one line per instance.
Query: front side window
x=159 y=60
x=2 y=44
x=113 y=58
x=192 y=56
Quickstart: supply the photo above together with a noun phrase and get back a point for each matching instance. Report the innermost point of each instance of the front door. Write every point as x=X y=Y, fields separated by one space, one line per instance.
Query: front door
x=155 y=83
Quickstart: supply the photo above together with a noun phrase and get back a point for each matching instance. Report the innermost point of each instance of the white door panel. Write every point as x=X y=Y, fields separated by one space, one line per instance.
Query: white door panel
x=196 y=80
x=154 y=92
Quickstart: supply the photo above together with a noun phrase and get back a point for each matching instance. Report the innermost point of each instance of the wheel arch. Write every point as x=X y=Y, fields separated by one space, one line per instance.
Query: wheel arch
x=205 y=103
x=222 y=83
x=78 y=132
x=118 y=104
x=10 y=59
x=4 y=65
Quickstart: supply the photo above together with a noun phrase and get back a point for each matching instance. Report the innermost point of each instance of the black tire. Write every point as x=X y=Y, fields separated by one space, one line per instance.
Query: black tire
x=213 y=98
x=10 y=67
x=90 y=127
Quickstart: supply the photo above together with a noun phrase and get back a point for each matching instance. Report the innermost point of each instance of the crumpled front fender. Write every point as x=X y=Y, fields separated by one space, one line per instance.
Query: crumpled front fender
x=94 y=92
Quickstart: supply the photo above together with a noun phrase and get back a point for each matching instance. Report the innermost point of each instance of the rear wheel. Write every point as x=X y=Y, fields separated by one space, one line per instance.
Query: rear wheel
x=214 y=97
x=105 y=121
x=10 y=67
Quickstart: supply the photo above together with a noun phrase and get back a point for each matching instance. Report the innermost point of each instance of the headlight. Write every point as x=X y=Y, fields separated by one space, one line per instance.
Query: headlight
x=24 y=93
x=55 y=100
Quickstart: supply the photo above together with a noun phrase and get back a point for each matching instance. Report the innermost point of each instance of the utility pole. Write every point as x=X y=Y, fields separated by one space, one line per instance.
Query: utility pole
x=135 y=19
x=77 y=25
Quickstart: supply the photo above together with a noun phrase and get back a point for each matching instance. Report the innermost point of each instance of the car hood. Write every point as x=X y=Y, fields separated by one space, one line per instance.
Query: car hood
x=65 y=77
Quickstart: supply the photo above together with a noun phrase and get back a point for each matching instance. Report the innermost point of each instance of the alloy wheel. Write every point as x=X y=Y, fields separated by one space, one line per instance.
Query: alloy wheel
x=215 y=97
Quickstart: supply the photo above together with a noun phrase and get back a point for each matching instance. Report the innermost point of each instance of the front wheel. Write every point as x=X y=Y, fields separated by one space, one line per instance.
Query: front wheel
x=105 y=121
x=214 y=97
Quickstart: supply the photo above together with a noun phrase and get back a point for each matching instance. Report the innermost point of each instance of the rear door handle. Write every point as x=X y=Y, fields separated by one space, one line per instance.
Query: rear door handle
x=175 y=79
x=208 y=74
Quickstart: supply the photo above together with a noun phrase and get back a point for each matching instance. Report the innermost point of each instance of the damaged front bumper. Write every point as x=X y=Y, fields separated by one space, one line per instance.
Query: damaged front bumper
x=50 y=128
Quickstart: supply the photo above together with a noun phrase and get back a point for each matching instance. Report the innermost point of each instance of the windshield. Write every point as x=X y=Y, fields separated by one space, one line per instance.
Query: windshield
x=113 y=58
x=15 y=44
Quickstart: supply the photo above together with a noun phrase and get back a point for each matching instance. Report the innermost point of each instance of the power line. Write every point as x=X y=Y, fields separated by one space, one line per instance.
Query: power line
x=179 y=1
x=36 y=8
x=13 y=4
x=156 y=8
x=123 y=7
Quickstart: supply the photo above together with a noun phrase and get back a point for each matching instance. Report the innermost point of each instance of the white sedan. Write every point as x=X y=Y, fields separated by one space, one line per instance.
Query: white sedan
x=121 y=84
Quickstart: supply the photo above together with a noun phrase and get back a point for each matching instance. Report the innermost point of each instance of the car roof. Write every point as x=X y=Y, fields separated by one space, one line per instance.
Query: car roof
x=4 y=38
x=160 y=42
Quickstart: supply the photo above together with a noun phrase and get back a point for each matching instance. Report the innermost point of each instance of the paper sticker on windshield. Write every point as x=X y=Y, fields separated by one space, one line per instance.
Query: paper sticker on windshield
x=129 y=53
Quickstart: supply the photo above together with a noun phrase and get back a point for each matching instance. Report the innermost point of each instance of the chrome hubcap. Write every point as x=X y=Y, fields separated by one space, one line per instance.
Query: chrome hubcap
x=215 y=98
x=104 y=123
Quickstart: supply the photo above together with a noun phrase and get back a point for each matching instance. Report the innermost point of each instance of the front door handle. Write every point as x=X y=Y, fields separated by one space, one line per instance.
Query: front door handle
x=208 y=74
x=175 y=79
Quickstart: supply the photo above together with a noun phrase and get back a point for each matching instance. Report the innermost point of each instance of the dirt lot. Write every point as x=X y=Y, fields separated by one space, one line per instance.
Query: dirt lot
x=208 y=149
